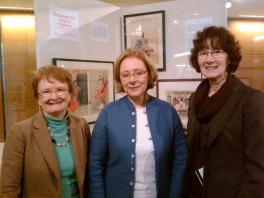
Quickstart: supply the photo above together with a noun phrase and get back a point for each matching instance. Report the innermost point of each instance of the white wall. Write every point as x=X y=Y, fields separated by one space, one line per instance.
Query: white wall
x=92 y=10
x=182 y=10
x=85 y=48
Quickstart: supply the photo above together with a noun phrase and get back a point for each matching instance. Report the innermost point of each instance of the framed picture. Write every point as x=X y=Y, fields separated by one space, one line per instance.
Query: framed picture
x=177 y=92
x=146 y=31
x=93 y=86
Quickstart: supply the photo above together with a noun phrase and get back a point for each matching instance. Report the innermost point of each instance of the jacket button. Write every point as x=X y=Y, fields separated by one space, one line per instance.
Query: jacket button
x=131 y=183
x=133 y=126
x=132 y=169
x=133 y=113
x=132 y=155
x=133 y=140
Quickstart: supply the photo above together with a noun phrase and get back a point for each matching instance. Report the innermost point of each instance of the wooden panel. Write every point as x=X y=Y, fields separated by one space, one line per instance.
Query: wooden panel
x=246 y=31
x=252 y=61
x=1 y=114
x=251 y=68
x=18 y=33
x=254 y=76
x=20 y=60
x=17 y=110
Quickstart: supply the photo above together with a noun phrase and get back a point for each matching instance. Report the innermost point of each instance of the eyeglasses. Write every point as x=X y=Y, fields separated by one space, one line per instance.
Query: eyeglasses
x=47 y=93
x=136 y=74
x=214 y=54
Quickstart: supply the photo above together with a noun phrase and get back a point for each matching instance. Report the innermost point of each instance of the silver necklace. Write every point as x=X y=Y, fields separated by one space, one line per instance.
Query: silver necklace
x=66 y=139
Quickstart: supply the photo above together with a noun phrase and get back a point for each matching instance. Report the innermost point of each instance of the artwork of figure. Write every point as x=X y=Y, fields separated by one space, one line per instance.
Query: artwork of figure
x=180 y=101
x=143 y=43
x=98 y=90
x=81 y=81
x=101 y=93
x=74 y=103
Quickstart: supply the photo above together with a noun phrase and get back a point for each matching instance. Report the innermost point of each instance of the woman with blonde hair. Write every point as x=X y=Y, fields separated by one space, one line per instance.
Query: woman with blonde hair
x=138 y=146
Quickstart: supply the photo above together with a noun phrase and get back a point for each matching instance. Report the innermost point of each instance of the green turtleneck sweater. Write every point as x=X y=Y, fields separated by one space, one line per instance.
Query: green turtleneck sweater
x=65 y=158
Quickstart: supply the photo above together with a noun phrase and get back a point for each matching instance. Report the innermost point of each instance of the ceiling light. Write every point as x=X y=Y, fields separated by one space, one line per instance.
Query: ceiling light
x=14 y=8
x=251 y=27
x=181 y=65
x=228 y=4
x=250 y=16
x=18 y=21
x=258 y=38
x=181 y=54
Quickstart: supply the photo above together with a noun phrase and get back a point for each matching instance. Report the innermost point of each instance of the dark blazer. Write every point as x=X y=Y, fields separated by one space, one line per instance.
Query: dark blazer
x=112 y=153
x=234 y=166
x=30 y=168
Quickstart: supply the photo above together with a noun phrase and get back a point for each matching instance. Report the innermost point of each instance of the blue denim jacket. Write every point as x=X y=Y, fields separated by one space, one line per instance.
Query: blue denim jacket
x=112 y=151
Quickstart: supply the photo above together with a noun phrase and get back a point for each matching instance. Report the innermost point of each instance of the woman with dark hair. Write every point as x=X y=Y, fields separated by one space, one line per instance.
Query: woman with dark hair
x=138 y=146
x=225 y=125
x=46 y=155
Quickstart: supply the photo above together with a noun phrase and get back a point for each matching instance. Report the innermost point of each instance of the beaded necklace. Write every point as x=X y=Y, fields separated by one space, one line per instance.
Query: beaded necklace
x=66 y=139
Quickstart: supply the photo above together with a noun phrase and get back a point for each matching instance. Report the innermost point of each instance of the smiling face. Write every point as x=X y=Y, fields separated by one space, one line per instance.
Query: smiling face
x=213 y=66
x=53 y=97
x=136 y=85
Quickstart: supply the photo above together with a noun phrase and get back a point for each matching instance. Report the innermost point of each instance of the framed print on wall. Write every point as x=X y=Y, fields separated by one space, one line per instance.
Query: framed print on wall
x=93 y=86
x=177 y=92
x=146 y=31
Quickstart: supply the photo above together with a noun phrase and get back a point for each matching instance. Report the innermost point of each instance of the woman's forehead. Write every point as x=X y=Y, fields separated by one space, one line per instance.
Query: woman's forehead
x=211 y=43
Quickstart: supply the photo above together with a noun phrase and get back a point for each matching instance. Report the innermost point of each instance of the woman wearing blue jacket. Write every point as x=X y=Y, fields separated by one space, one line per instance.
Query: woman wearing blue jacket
x=138 y=146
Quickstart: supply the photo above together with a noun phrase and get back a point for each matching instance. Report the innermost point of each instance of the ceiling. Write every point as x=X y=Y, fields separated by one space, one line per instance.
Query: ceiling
x=123 y=3
x=239 y=7
x=17 y=3
x=246 y=7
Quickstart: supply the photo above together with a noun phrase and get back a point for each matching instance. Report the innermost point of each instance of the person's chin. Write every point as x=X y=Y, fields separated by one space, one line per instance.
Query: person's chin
x=57 y=109
x=135 y=95
x=210 y=74
x=56 y=113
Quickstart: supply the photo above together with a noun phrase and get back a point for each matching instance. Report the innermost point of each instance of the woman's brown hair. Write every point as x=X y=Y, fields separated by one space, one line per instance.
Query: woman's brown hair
x=51 y=71
x=219 y=38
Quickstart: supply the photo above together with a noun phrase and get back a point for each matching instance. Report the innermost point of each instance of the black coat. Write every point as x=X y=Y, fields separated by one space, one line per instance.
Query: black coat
x=234 y=166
